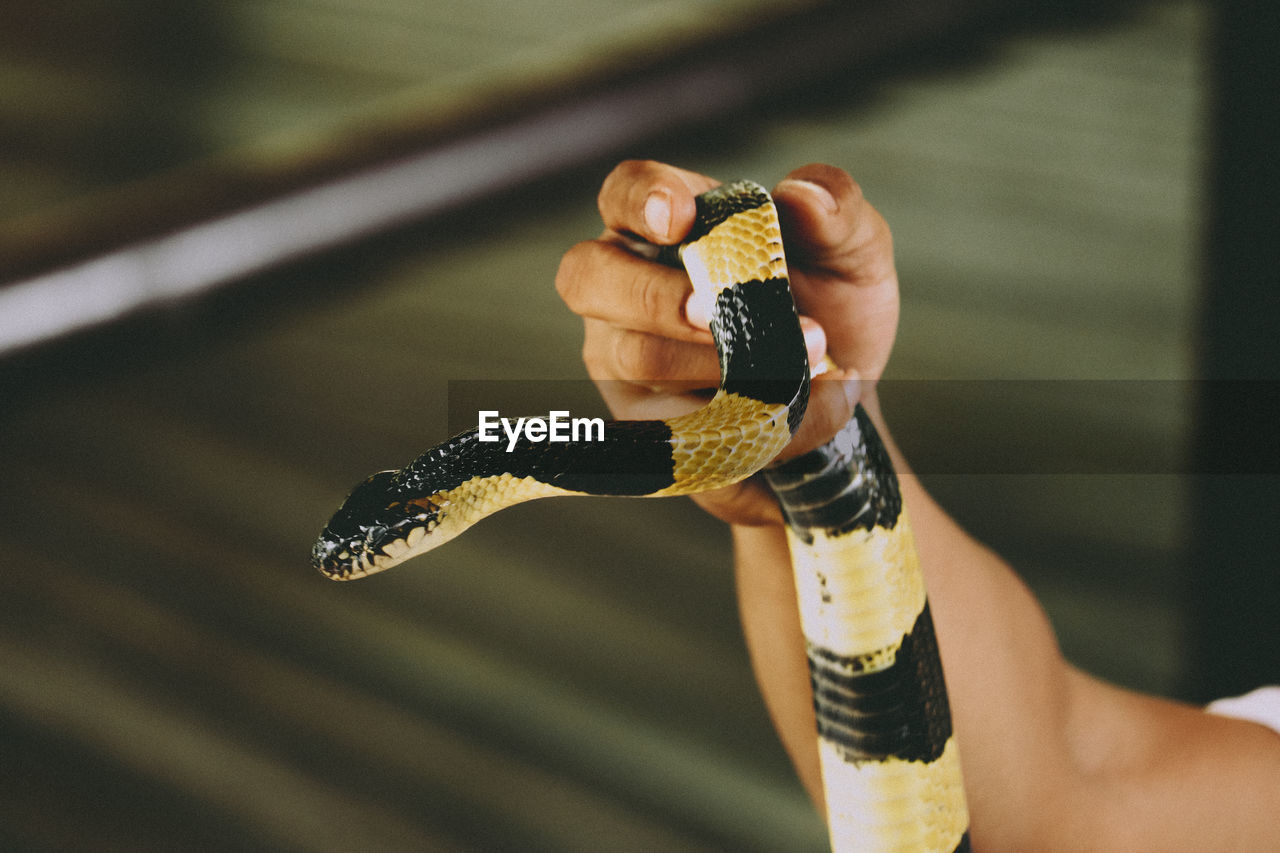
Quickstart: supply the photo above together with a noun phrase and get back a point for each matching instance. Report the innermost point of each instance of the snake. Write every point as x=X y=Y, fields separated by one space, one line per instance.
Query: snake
x=887 y=751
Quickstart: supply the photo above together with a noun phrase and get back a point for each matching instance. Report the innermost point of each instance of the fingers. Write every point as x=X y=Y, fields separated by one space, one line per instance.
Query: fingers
x=840 y=252
x=639 y=347
x=601 y=280
x=832 y=398
x=651 y=200
x=605 y=280
x=826 y=221
x=612 y=352
x=834 y=237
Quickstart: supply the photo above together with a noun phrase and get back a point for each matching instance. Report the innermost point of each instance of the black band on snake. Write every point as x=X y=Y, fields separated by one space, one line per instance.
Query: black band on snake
x=889 y=761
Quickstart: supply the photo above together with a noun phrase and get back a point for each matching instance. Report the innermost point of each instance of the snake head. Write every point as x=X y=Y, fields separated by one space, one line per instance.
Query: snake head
x=373 y=530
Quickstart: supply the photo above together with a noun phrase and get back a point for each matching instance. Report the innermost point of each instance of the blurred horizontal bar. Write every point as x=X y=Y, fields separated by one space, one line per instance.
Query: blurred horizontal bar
x=781 y=56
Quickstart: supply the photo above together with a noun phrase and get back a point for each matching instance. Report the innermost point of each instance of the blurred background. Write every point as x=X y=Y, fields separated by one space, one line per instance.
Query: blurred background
x=253 y=251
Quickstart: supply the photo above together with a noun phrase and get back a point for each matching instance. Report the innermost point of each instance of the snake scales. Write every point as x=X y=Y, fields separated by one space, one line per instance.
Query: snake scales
x=889 y=760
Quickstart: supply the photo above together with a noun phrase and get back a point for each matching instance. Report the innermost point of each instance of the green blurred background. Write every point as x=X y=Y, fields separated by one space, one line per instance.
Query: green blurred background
x=569 y=676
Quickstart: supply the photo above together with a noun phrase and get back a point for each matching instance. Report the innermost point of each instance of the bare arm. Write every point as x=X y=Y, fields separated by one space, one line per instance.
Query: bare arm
x=1053 y=758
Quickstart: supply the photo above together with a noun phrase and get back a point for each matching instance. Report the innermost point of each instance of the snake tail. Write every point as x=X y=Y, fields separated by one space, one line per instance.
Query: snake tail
x=890 y=765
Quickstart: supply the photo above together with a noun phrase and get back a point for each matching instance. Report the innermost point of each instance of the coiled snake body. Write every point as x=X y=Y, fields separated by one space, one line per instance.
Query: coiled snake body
x=889 y=761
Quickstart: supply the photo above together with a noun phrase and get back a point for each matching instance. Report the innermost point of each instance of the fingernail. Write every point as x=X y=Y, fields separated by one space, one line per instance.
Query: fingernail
x=815 y=339
x=820 y=194
x=657 y=215
x=697 y=310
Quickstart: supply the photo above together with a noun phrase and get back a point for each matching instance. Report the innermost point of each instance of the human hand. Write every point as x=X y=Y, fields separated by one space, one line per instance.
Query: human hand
x=651 y=354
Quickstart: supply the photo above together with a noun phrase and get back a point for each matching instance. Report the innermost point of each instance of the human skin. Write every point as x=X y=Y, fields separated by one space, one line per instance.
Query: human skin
x=1053 y=758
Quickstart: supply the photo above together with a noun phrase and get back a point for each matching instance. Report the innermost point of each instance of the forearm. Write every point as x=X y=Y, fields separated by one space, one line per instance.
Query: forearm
x=1052 y=758
x=1056 y=759
x=998 y=656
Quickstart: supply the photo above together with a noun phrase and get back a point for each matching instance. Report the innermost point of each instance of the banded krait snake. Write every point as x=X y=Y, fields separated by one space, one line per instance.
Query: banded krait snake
x=889 y=761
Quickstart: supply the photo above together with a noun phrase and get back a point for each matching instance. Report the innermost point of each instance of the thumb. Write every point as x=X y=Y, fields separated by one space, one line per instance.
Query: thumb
x=832 y=398
x=827 y=223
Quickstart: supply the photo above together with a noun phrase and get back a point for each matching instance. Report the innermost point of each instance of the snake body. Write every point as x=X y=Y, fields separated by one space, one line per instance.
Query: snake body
x=890 y=765
x=889 y=760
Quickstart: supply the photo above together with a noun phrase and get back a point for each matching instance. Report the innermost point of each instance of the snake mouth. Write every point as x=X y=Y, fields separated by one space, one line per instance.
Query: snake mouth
x=373 y=530
x=380 y=549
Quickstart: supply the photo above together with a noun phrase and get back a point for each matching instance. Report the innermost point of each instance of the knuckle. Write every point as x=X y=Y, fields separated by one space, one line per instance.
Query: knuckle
x=822 y=423
x=620 y=179
x=570 y=275
x=652 y=296
x=633 y=166
x=642 y=357
x=837 y=181
x=591 y=359
x=595 y=350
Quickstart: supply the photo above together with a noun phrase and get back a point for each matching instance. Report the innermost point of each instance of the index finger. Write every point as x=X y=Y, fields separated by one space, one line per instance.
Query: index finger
x=651 y=200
